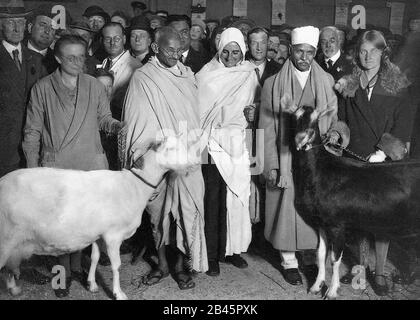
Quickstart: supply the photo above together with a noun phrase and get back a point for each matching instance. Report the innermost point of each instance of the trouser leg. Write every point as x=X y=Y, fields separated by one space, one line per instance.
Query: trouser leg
x=288 y=259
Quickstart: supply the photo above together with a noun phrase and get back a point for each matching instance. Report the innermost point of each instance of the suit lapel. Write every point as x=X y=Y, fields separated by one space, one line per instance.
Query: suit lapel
x=11 y=71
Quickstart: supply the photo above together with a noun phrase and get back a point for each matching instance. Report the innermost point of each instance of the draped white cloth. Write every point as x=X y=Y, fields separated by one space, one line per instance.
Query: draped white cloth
x=223 y=93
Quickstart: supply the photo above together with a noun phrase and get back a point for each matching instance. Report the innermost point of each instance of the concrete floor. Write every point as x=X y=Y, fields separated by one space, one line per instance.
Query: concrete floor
x=262 y=280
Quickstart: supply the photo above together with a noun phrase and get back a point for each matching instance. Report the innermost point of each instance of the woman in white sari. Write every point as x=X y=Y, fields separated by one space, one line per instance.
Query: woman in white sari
x=226 y=85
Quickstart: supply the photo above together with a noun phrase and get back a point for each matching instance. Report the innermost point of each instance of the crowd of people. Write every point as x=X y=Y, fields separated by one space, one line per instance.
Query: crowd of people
x=66 y=95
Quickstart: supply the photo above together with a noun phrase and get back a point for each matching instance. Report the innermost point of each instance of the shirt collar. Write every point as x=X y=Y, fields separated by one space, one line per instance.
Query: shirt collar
x=10 y=47
x=261 y=67
x=185 y=53
x=334 y=58
x=31 y=47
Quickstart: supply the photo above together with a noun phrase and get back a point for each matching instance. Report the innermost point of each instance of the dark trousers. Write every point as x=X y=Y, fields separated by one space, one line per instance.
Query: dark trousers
x=71 y=262
x=214 y=212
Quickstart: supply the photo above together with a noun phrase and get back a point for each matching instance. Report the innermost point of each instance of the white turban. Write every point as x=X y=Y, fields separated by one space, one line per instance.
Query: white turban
x=232 y=35
x=308 y=35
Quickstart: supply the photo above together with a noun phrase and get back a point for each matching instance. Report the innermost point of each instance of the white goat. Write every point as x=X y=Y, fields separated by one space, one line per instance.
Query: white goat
x=47 y=211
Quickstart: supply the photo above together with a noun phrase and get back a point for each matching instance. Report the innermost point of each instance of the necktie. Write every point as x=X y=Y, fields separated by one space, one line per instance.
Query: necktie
x=257 y=71
x=16 y=59
x=107 y=64
x=330 y=64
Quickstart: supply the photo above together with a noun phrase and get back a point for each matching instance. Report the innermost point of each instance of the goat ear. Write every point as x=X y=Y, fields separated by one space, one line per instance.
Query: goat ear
x=287 y=104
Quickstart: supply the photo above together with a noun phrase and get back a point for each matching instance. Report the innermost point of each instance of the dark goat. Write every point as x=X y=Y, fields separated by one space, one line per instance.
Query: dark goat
x=333 y=193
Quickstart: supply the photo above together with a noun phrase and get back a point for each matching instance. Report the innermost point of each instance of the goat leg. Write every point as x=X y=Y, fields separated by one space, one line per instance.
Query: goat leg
x=94 y=257
x=113 y=248
x=335 y=280
x=321 y=255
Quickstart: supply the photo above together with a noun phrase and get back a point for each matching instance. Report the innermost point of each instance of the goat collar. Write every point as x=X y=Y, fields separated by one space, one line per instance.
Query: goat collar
x=151 y=185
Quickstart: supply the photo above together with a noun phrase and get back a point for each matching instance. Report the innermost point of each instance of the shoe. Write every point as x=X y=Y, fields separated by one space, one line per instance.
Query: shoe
x=61 y=293
x=292 y=276
x=310 y=272
x=347 y=278
x=237 y=261
x=380 y=289
x=214 y=269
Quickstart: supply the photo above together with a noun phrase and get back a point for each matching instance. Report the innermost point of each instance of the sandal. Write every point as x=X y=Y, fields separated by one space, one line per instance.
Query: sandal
x=184 y=280
x=154 y=277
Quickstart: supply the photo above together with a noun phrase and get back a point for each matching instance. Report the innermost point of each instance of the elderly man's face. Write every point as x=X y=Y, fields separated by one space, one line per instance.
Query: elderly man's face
x=113 y=40
x=96 y=23
x=168 y=51
x=13 y=29
x=42 y=32
x=231 y=55
x=302 y=56
x=184 y=32
x=140 y=41
x=330 y=43
x=258 y=43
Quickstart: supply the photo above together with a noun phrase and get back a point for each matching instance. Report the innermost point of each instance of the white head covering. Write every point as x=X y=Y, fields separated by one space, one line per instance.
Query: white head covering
x=232 y=35
x=308 y=34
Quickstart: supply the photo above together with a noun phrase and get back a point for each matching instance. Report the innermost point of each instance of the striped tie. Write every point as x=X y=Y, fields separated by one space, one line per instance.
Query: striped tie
x=16 y=59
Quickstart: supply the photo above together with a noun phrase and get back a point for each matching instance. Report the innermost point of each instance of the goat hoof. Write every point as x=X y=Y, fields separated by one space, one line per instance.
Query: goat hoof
x=93 y=287
x=315 y=289
x=15 y=291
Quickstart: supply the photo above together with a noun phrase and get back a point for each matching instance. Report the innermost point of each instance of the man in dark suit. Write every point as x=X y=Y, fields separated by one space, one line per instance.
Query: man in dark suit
x=20 y=68
x=331 y=59
x=190 y=57
x=42 y=30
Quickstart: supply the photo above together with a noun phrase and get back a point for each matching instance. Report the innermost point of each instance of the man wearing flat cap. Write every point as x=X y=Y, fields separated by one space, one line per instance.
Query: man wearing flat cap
x=138 y=8
x=300 y=82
